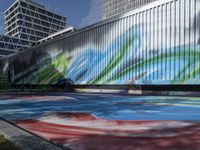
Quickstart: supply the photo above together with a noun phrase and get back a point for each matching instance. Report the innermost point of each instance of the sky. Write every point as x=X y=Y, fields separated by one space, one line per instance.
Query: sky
x=79 y=13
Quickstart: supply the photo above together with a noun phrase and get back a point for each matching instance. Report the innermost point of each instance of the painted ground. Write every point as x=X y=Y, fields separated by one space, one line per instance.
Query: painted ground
x=104 y=121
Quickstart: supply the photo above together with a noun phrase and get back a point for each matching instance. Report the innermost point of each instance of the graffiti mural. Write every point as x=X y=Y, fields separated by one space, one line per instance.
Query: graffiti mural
x=160 y=44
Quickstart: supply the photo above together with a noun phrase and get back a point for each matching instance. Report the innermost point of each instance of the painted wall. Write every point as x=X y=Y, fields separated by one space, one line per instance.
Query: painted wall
x=157 y=45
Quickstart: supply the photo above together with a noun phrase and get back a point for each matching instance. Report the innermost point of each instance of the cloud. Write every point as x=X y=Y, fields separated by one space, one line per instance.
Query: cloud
x=95 y=13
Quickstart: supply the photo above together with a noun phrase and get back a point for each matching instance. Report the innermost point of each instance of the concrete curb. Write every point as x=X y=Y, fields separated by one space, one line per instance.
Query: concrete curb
x=23 y=139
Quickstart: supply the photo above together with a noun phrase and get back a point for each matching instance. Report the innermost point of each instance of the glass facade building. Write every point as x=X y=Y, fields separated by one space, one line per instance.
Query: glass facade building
x=156 y=44
x=115 y=7
x=28 y=22
x=10 y=45
x=32 y=22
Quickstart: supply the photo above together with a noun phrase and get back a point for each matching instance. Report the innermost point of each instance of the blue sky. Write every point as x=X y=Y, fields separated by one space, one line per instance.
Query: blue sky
x=79 y=13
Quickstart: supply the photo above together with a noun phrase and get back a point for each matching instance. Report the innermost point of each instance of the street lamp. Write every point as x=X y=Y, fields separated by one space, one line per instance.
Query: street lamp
x=22 y=69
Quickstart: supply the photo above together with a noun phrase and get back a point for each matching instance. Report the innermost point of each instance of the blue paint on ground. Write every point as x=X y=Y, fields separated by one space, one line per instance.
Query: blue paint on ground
x=107 y=106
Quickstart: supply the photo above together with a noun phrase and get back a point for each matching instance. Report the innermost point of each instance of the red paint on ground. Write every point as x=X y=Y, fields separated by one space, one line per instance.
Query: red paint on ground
x=82 y=131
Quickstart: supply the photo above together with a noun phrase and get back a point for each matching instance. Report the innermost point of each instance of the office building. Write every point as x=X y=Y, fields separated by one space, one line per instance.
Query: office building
x=30 y=22
x=115 y=7
x=10 y=45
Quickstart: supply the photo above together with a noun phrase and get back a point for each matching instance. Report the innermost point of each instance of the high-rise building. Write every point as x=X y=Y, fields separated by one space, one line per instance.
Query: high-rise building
x=115 y=7
x=10 y=45
x=30 y=21
x=27 y=22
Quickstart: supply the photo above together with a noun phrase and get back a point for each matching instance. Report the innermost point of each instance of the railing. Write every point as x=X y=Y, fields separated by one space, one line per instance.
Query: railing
x=30 y=89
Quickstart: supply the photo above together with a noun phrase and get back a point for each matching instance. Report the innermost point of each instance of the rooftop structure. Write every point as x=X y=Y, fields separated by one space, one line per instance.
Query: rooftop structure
x=57 y=34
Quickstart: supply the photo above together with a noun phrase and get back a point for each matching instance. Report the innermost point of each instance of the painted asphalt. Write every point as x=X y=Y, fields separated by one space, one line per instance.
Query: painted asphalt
x=24 y=139
x=95 y=121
